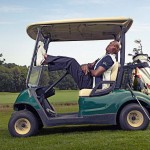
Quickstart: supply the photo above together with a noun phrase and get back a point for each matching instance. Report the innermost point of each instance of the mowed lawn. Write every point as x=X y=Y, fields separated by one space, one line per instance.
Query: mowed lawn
x=71 y=137
x=60 y=96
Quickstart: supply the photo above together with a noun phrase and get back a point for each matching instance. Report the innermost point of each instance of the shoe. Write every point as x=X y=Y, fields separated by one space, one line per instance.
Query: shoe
x=40 y=54
x=50 y=112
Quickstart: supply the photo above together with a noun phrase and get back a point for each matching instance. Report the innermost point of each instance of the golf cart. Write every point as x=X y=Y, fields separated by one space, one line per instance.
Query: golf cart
x=117 y=104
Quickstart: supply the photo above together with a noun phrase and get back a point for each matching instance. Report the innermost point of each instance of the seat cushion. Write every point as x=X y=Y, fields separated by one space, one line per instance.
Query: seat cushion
x=85 y=92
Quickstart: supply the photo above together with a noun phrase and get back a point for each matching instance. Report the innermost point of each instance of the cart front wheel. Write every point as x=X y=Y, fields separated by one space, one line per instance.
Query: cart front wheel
x=23 y=124
x=132 y=117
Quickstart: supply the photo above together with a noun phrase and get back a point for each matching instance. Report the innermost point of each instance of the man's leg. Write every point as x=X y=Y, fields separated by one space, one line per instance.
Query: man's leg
x=72 y=67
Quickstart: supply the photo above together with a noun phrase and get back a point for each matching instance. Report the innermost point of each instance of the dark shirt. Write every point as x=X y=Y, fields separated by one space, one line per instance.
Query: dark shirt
x=106 y=62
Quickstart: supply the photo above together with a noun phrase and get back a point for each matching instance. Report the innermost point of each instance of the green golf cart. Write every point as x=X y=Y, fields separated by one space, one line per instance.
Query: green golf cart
x=117 y=104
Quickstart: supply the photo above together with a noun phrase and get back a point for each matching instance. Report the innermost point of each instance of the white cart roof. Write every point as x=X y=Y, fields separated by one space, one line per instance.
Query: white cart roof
x=81 y=29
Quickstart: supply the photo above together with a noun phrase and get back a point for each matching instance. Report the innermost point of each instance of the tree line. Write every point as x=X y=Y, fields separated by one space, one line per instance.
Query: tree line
x=13 y=78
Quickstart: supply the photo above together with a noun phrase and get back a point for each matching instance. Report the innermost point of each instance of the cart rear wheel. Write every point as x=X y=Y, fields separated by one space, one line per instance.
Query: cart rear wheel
x=23 y=124
x=132 y=117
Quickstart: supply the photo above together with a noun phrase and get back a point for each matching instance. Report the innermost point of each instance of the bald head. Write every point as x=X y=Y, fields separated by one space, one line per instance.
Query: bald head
x=113 y=47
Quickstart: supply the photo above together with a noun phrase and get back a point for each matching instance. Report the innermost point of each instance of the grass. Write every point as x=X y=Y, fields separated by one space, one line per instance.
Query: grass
x=7 y=97
x=60 y=96
x=73 y=137
x=65 y=96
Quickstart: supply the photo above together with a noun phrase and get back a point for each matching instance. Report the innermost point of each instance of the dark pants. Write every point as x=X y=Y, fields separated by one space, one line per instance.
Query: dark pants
x=72 y=67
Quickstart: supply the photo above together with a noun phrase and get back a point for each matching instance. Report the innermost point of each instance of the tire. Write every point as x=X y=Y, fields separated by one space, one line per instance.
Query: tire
x=23 y=124
x=132 y=117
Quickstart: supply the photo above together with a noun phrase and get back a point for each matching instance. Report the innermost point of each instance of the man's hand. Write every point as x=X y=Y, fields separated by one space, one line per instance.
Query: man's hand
x=85 y=69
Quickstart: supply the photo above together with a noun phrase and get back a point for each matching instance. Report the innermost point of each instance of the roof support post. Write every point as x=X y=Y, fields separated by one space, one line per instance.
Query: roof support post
x=122 y=58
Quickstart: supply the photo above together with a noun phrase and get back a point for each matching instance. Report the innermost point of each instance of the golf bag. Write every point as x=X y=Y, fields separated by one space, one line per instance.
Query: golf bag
x=141 y=76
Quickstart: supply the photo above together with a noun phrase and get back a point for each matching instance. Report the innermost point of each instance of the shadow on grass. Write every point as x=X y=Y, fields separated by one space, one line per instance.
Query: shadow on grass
x=65 y=130
x=71 y=129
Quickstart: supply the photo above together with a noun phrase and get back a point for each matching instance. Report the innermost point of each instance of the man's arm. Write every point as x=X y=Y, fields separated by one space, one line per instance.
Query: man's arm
x=86 y=67
x=103 y=65
x=100 y=70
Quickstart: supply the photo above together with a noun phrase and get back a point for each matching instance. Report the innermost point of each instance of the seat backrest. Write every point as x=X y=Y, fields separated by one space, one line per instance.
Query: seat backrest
x=110 y=76
x=114 y=72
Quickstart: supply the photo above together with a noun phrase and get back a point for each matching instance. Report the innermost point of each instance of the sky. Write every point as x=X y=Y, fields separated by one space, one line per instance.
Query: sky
x=15 y=15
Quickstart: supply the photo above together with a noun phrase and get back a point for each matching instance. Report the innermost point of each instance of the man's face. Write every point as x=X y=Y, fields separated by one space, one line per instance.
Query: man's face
x=112 y=48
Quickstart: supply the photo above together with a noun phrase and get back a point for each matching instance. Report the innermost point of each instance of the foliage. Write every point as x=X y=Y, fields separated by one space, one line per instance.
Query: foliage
x=13 y=78
x=67 y=82
x=1 y=61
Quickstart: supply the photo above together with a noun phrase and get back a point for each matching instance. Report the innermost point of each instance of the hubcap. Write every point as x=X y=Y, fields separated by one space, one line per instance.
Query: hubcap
x=135 y=118
x=22 y=126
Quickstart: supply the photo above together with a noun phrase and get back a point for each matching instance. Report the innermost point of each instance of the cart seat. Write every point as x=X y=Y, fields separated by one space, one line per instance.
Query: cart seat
x=113 y=76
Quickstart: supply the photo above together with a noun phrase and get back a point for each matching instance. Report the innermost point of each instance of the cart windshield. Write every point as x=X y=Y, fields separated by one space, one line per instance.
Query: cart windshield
x=34 y=73
x=35 y=76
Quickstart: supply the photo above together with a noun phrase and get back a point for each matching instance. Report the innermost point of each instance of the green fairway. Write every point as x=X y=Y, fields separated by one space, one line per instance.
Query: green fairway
x=70 y=137
x=74 y=138
x=60 y=96
x=6 y=97
x=65 y=96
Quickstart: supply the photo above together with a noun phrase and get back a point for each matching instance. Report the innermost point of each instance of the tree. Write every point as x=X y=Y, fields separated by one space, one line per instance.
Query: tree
x=12 y=77
x=1 y=60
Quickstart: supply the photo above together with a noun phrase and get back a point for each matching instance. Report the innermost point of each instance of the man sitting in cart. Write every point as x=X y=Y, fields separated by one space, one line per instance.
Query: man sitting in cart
x=86 y=76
